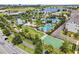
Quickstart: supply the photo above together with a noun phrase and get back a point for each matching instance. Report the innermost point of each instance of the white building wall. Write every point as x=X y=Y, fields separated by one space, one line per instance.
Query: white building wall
x=72 y=27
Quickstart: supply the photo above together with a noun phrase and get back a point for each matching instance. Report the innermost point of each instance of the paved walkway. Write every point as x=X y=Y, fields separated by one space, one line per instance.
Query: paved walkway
x=28 y=45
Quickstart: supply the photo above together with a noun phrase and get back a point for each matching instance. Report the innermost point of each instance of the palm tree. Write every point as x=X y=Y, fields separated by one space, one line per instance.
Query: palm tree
x=38 y=47
x=17 y=39
x=50 y=49
x=67 y=47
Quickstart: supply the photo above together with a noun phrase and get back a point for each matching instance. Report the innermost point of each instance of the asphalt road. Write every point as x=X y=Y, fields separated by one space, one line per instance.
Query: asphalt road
x=8 y=48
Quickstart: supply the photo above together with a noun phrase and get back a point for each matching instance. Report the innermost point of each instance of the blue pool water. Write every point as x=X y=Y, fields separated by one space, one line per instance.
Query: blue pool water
x=47 y=27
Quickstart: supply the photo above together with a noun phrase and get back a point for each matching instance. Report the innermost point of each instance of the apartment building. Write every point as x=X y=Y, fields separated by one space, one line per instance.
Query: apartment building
x=73 y=24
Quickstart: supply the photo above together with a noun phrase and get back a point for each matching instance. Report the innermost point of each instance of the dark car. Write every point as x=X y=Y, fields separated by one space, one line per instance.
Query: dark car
x=6 y=38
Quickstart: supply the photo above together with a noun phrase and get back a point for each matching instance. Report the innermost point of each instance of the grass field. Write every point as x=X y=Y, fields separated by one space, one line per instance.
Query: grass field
x=1 y=14
x=10 y=37
x=25 y=48
x=33 y=32
x=19 y=8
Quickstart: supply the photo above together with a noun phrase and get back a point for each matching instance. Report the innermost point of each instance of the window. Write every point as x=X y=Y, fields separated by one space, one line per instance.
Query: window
x=75 y=28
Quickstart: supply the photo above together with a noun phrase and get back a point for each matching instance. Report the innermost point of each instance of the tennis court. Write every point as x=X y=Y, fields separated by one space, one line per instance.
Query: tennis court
x=55 y=42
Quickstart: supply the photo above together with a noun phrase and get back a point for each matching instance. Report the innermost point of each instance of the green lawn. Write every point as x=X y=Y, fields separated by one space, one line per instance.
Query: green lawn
x=20 y=8
x=1 y=14
x=25 y=48
x=10 y=37
x=33 y=32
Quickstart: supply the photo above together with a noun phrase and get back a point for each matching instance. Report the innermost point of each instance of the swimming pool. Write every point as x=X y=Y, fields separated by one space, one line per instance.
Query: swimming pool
x=47 y=27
